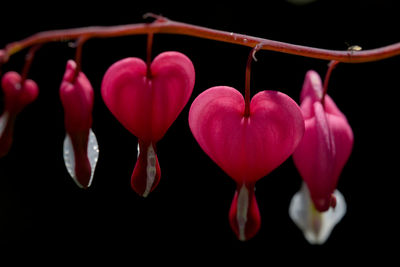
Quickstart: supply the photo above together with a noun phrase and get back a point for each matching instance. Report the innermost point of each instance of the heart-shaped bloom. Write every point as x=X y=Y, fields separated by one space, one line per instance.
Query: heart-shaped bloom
x=80 y=144
x=247 y=148
x=321 y=156
x=17 y=95
x=147 y=102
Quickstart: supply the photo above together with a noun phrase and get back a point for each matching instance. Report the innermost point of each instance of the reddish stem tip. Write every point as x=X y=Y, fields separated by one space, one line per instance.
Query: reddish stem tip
x=3 y=57
x=158 y=18
x=250 y=58
x=331 y=66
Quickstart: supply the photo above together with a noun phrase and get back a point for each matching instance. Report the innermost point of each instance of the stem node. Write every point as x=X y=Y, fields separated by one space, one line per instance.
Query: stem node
x=158 y=18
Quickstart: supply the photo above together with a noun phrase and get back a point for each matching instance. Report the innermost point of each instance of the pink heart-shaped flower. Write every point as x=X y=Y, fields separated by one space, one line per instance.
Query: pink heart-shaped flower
x=246 y=148
x=17 y=95
x=147 y=106
x=147 y=101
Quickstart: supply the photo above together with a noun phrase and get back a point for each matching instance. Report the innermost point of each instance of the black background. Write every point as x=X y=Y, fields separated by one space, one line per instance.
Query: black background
x=44 y=212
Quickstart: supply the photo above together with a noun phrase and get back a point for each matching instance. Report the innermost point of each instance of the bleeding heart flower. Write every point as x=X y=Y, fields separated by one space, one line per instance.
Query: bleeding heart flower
x=80 y=144
x=17 y=95
x=320 y=158
x=147 y=103
x=246 y=147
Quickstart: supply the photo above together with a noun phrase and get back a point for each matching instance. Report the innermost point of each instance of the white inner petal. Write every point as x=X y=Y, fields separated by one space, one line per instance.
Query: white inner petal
x=242 y=209
x=69 y=156
x=3 y=122
x=316 y=226
x=93 y=153
x=150 y=169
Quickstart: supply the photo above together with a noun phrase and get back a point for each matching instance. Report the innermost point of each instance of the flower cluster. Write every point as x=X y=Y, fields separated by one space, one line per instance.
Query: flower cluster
x=247 y=138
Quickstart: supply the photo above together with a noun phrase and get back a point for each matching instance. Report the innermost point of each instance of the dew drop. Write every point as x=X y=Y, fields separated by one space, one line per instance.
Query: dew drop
x=233 y=35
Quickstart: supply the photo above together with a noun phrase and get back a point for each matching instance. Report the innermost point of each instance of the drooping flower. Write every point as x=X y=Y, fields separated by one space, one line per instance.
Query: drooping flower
x=80 y=144
x=17 y=95
x=320 y=158
x=247 y=148
x=147 y=102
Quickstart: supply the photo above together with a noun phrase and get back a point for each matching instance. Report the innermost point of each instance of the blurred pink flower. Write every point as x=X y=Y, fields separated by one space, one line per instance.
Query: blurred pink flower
x=16 y=97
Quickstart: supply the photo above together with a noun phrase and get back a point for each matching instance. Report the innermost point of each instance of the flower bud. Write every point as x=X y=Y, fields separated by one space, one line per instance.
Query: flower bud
x=17 y=95
x=80 y=144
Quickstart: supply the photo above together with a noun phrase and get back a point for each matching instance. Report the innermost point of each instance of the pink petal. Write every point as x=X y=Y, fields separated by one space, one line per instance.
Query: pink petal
x=77 y=99
x=246 y=148
x=148 y=107
x=314 y=158
x=326 y=145
x=17 y=96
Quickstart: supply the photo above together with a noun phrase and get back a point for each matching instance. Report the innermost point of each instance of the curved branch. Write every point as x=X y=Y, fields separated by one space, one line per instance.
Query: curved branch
x=166 y=26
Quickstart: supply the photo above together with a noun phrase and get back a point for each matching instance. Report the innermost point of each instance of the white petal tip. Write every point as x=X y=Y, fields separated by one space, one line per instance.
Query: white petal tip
x=316 y=226
x=3 y=122
x=242 y=238
x=69 y=157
